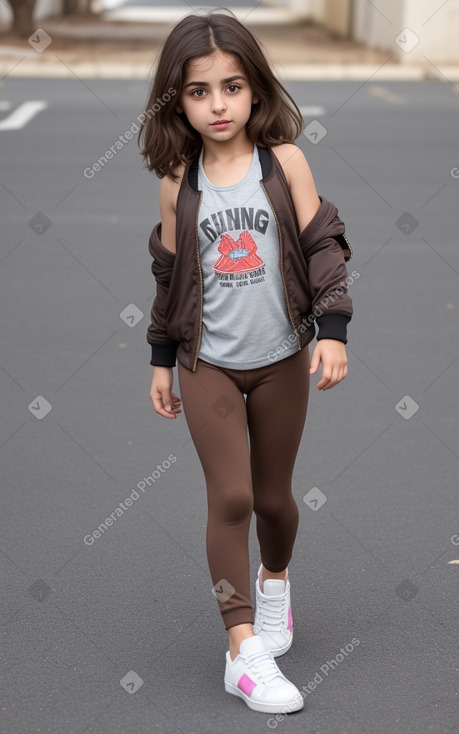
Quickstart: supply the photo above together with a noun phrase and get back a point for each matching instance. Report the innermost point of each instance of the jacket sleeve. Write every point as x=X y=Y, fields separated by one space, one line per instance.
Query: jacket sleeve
x=326 y=250
x=163 y=348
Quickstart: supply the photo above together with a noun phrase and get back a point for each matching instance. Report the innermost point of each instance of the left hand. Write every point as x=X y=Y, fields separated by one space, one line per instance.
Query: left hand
x=332 y=354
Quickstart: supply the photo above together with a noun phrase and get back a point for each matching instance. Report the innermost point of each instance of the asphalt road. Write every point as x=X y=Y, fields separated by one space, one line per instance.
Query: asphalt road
x=120 y=633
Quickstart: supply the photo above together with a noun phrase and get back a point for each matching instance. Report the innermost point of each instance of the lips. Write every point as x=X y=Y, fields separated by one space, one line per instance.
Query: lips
x=220 y=122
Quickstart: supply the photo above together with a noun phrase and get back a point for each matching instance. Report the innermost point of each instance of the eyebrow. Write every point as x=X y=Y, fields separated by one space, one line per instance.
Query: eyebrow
x=223 y=81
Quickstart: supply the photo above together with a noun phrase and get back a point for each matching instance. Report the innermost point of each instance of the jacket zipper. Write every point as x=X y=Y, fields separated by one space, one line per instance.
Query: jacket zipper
x=281 y=242
x=198 y=343
x=348 y=244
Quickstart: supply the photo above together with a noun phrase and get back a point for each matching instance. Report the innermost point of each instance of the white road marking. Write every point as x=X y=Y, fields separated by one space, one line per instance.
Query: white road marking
x=23 y=114
x=377 y=90
x=312 y=111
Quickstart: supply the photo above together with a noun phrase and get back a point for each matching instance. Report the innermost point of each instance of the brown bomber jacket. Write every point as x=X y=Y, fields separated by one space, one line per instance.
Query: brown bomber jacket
x=312 y=266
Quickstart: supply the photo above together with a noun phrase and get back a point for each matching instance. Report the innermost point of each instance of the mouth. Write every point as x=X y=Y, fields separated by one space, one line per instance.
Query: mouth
x=220 y=123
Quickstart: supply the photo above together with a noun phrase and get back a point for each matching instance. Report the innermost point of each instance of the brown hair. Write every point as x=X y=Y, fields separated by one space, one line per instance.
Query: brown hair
x=168 y=137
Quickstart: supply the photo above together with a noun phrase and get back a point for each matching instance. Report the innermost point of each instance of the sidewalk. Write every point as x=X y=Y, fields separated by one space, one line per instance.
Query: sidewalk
x=95 y=47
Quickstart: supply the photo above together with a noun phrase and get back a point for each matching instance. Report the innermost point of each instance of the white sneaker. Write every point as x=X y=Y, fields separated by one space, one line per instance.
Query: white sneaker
x=254 y=676
x=273 y=614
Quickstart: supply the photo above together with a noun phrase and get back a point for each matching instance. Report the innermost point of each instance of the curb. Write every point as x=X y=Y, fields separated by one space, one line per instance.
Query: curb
x=363 y=72
x=169 y=15
x=24 y=67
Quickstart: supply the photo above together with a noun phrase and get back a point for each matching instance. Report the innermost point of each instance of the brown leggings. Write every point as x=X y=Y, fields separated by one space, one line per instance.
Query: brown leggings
x=240 y=482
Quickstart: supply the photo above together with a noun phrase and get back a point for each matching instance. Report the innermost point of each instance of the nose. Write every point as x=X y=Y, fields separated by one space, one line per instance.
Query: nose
x=218 y=103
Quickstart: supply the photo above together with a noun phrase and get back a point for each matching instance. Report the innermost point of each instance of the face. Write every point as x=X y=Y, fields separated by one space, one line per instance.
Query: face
x=216 y=88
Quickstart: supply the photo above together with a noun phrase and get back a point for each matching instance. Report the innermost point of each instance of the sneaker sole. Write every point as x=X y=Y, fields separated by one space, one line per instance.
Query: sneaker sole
x=266 y=708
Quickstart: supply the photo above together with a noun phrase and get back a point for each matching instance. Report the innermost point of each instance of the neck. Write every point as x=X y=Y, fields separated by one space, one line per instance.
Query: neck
x=226 y=151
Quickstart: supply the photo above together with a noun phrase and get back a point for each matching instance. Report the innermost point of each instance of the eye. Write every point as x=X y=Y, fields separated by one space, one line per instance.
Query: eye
x=193 y=93
x=234 y=86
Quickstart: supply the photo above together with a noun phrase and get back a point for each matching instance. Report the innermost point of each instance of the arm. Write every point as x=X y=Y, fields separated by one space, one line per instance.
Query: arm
x=326 y=268
x=162 y=248
x=301 y=183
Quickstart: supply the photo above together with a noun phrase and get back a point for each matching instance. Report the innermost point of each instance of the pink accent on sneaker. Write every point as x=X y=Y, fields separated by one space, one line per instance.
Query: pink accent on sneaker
x=290 y=620
x=246 y=684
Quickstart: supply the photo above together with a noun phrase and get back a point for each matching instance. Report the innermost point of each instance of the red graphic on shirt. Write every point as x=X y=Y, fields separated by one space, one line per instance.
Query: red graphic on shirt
x=237 y=257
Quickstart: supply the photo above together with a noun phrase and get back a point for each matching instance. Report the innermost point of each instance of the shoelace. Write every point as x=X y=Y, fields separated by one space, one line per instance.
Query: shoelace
x=271 y=607
x=263 y=666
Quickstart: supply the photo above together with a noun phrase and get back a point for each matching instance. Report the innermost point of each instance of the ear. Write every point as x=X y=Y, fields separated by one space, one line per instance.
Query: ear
x=255 y=99
x=179 y=109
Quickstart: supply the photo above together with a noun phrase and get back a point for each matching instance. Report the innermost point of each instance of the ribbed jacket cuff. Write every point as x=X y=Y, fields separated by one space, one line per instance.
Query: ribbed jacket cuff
x=333 y=326
x=164 y=355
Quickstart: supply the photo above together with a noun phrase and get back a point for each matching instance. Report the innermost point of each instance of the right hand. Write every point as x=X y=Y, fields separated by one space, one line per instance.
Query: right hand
x=165 y=402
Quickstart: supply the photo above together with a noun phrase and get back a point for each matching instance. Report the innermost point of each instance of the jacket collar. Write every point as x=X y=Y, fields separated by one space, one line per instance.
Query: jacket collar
x=265 y=162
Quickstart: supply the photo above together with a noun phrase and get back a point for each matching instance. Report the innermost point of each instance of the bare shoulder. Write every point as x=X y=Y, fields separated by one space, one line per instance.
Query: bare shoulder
x=285 y=151
x=168 y=193
x=300 y=180
x=169 y=188
x=292 y=159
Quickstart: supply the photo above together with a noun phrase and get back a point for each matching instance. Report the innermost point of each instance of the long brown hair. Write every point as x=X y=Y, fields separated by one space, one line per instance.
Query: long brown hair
x=168 y=137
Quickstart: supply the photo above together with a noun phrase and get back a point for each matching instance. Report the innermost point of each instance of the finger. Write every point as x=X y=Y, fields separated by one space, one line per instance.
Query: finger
x=159 y=408
x=323 y=382
x=315 y=361
x=341 y=373
x=165 y=414
x=167 y=400
x=339 y=377
x=160 y=405
x=335 y=378
x=176 y=405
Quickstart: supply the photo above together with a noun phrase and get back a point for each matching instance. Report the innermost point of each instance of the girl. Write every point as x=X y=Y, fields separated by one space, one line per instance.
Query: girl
x=246 y=258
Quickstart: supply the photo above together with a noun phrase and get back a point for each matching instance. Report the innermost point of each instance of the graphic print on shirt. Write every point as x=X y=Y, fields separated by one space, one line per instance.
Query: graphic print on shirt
x=237 y=257
x=239 y=262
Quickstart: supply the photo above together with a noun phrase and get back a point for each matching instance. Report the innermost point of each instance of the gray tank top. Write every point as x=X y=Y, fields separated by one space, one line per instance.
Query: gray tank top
x=244 y=311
